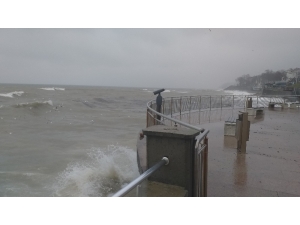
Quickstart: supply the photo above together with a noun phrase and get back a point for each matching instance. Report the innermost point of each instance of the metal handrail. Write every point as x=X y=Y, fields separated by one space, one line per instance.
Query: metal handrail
x=141 y=178
x=175 y=120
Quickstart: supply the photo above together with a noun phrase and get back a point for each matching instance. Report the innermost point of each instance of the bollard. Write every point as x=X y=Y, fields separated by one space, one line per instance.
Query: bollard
x=242 y=131
x=249 y=102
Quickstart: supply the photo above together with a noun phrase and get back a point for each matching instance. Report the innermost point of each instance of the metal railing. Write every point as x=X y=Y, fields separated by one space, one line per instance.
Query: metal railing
x=164 y=161
x=187 y=110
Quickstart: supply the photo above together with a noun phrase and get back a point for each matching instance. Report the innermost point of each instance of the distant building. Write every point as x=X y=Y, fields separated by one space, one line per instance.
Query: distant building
x=293 y=73
x=280 y=84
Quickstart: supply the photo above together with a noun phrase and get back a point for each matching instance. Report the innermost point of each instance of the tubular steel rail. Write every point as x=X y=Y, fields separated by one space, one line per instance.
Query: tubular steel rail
x=141 y=178
x=204 y=109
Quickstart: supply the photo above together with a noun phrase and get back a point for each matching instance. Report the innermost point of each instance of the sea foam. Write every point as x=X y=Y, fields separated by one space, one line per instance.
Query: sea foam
x=53 y=89
x=11 y=94
x=35 y=104
x=235 y=92
x=104 y=172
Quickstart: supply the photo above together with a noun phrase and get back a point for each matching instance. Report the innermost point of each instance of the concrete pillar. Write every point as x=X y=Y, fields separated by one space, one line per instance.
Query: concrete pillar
x=178 y=145
x=242 y=131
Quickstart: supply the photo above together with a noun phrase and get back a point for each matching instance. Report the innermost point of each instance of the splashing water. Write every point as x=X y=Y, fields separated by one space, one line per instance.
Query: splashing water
x=103 y=173
x=11 y=94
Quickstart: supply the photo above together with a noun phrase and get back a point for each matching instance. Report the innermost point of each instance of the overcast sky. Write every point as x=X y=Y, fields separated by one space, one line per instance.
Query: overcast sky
x=169 y=58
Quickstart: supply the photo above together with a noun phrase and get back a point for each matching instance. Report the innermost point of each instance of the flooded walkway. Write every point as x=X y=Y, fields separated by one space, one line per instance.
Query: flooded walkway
x=271 y=165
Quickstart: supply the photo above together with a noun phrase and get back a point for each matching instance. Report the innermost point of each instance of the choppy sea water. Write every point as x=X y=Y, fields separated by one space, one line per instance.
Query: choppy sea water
x=71 y=140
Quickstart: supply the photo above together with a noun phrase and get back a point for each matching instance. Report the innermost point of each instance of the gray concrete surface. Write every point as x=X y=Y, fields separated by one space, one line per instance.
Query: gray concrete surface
x=271 y=165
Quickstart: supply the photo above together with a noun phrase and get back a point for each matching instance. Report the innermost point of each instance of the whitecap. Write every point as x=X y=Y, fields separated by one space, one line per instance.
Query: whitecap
x=11 y=94
x=235 y=92
x=167 y=91
x=53 y=89
x=34 y=104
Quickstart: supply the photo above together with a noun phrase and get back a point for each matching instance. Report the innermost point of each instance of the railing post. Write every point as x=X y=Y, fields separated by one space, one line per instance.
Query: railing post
x=199 y=109
x=190 y=110
x=221 y=109
x=180 y=108
x=232 y=104
x=209 y=108
x=221 y=101
x=171 y=108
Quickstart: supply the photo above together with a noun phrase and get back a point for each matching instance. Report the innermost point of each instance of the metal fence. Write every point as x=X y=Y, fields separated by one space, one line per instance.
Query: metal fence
x=205 y=109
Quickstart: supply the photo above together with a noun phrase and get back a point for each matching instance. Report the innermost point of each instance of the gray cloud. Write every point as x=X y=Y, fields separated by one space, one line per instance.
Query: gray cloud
x=188 y=58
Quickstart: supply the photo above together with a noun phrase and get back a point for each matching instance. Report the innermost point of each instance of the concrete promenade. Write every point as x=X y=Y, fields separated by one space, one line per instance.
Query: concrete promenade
x=271 y=165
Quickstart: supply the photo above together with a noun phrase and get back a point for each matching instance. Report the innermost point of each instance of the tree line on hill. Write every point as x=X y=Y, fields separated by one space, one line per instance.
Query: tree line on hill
x=267 y=76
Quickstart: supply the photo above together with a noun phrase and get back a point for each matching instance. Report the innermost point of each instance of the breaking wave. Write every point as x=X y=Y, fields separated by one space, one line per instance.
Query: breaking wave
x=234 y=92
x=53 y=89
x=104 y=173
x=34 y=104
x=11 y=94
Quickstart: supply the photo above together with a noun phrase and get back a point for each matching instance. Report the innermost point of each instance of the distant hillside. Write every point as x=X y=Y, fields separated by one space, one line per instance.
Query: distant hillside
x=226 y=85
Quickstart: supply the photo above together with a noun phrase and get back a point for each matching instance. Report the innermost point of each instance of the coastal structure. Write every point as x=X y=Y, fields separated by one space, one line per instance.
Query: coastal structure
x=175 y=144
x=293 y=73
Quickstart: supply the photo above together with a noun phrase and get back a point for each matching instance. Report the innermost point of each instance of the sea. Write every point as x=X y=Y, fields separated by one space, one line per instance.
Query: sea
x=78 y=141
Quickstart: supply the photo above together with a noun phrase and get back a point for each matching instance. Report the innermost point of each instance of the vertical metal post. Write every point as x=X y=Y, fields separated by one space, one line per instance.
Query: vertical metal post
x=199 y=109
x=171 y=108
x=221 y=109
x=209 y=108
x=180 y=109
x=190 y=110
x=232 y=104
x=221 y=101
